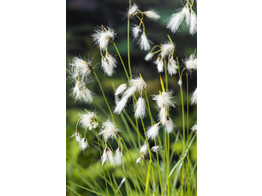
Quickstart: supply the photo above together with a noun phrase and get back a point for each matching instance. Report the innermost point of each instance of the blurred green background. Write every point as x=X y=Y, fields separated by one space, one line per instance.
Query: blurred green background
x=82 y=16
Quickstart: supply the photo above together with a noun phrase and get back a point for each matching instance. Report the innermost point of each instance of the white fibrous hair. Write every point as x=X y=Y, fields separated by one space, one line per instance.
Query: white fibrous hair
x=172 y=67
x=83 y=144
x=118 y=156
x=140 y=108
x=175 y=21
x=102 y=37
x=152 y=14
x=81 y=65
x=121 y=89
x=191 y=62
x=194 y=97
x=155 y=148
x=160 y=65
x=139 y=160
x=167 y=49
x=121 y=104
x=162 y=115
x=169 y=125
x=179 y=82
x=143 y=149
x=77 y=136
x=164 y=99
x=109 y=130
x=194 y=128
x=152 y=132
x=87 y=95
x=135 y=84
x=149 y=56
x=193 y=23
x=87 y=119
x=107 y=155
x=77 y=92
x=132 y=10
x=108 y=64
x=186 y=12
x=144 y=42
x=135 y=31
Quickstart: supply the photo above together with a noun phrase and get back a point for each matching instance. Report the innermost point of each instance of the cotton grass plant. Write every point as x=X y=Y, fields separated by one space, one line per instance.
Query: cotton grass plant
x=144 y=164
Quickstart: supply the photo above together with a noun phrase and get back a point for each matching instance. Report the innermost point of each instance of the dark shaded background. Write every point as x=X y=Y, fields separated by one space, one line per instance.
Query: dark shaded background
x=81 y=19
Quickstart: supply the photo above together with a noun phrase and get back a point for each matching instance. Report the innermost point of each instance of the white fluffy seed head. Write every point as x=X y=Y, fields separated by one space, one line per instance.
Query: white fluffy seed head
x=87 y=95
x=155 y=149
x=179 y=82
x=118 y=156
x=121 y=104
x=144 y=42
x=83 y=66
x=77 y=136
x=152 y=132
x=132 y=10
x=143 y=150
x=175 y=21
x=102 y=37
x=149 y=56
x=167 y=49
x=108 y=63
x=77 y=92
x=191 y=62
x=194 y=98
x=172 y=67
x=194 y=128
x=164 y=99
x=139 y=160
x=140 y=108
x=152 y=14
x=107 y=155
x=87 y=119
x=160 y=65
x=121 y=89
x=186 y=12
x=109 y=130
x=169 y=125
x=138 y=83
x=83 y=144
x=135 y=31
x=130 y=91
x=193 y=23
x=162 y=115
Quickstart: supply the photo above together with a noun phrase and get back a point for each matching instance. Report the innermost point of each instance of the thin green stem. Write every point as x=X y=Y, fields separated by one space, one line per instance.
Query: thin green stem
x=121 y=61
x=104 y=96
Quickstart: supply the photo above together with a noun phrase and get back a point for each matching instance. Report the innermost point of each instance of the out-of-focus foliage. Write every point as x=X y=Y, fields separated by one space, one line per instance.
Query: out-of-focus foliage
x=84 y=168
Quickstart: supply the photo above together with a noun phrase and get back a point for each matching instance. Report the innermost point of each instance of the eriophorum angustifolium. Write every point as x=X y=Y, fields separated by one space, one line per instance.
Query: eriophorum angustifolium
x=131 y=98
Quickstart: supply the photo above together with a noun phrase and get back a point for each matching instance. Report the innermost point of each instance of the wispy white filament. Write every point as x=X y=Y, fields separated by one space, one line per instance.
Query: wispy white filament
x=87 y=95
x=108 y=63
x=77 y=136
x=175 y=21
x=143 y=149
x=162 y=115
x=152 y=132
x=194 y=97
x=194 y=128
x=193 y=23
x=132 y=10
x=81 y=65
x=149 y=56
x=167 y=49
x=102 y=37
x=172 y=67
x=121 y=89
x=155 y=148
x=121 y=104
x=86 y=119
x=144 y=42
x=191 y=62
x=169 y=125
x=152 y=14
x=135 y=84
x=77 y=92
x=118 y=156
x=139 y=160
x=186 y=12
x=164 y=99
x=140 y=108
x=135 y=31
x=109 y=130
x=107 y=155
x=83 y=144
x=160 y=65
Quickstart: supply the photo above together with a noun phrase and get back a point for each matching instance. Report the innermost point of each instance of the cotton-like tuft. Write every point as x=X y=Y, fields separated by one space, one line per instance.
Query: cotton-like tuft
x=83 y=144
x=109 y=130
x=132 y=10
x=194 y=128
x=102 y=37
x=118 y=156
x=191 y=62
x=120 y=105
x=164 y=99
x=169 y=125
x=149 y=56
x=193 y=23
x=107 y=156
x=108 y=63
x=139 y=160
x=144 y=42
x=143 y=150
x=172 y=67
x=140 y=108
x=121 y=89
x=194 y=98
x=167 y=49
x=175 y=21
x=135 y=31
x=160 y=65
x=162 y=115
x=152 y=14
x=152 y=132
x=155 y=149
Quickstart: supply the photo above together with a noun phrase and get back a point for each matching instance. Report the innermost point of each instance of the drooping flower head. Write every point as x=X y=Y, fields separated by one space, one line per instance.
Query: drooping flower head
x=108 y=63
x=118 y=156
x=83 y=144
x=88 y=120
x=77 y=136
x=140 y=107
x=102 y=36
x=152 y=14
x=164 y=99
x=152 y=131
x=194 y=98
x=109 y=130
x=191 y=62
x=107 y=156
x=81 y=66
